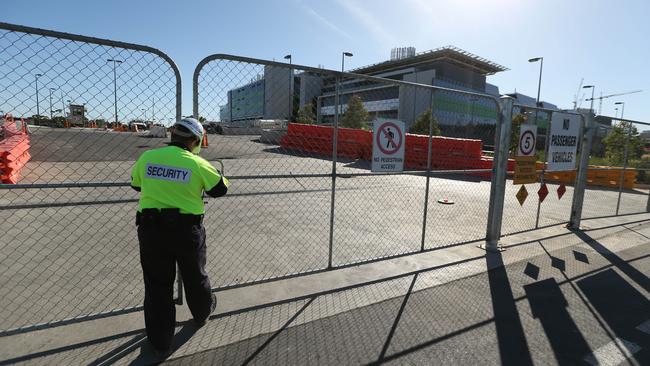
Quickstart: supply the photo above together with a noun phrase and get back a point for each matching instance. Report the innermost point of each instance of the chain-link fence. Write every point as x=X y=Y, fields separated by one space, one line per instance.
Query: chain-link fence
x=297 y=143
x=548 y=200
x=67 y=226
x=617 y=180
x=297 y=207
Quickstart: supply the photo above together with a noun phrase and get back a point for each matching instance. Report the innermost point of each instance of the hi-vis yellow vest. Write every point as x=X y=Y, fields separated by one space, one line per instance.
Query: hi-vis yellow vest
x=172 y=177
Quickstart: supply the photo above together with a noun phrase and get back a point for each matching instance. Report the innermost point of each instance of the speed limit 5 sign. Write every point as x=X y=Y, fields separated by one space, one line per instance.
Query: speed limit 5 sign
x=527 y=140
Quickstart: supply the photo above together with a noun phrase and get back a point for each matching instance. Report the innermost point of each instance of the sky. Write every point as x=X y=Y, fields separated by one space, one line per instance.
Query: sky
x=604 y=42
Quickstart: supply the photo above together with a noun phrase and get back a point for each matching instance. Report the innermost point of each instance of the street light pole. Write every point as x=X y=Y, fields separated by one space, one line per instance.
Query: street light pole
x=51 y=90
x=592 y=87
x=539 y=87
x=38 y=108
x=348 y=54
x=625 y=156
x=288 y=57
x=622 y=107
x=115 y=62
x=539 y=84
x=62 y=104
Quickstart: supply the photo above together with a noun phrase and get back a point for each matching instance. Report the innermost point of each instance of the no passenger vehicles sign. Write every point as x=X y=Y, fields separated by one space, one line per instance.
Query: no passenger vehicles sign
x=563 y=142
x=388 y=140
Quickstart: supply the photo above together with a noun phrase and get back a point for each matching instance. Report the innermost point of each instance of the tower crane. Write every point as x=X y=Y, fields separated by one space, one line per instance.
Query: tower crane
x=600 y=99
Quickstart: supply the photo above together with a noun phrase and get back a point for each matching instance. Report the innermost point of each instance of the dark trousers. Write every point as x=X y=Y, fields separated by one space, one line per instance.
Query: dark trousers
x=161 y=247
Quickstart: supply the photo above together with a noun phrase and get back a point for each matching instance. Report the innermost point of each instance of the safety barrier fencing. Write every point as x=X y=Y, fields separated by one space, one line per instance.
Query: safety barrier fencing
x=304 y=200
x=329 y=135
x=69 y=249
x=14 y=149
x=618 y=182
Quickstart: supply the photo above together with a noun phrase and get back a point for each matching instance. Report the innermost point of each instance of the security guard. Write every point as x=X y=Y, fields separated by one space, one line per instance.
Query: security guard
x=171 y=181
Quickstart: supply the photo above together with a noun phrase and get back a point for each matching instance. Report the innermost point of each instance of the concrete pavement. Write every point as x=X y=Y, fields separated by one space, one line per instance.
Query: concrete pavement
x=553 y=297
x=78 y=245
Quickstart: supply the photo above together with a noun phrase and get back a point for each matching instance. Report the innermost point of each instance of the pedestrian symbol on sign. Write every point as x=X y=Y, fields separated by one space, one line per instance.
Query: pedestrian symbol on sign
x=388 y=145
x=390 y=137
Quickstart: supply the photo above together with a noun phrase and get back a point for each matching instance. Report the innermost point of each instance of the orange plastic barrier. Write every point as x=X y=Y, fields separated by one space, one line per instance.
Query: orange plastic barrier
x=601 y=178
x=446 y=152
x=14 y=150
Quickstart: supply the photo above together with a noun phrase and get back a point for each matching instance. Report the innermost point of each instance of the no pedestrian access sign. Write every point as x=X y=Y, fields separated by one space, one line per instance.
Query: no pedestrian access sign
x=388 y=142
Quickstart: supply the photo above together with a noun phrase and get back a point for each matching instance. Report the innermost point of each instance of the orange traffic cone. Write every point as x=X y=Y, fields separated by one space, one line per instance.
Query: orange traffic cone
x=204 y=142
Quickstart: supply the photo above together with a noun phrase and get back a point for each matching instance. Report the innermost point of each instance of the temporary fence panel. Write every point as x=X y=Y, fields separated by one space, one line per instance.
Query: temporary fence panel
x=461 y=178
x=307 y=133
x=617 y=179
x=66 y=210
x=548 y=200
x=275 y=219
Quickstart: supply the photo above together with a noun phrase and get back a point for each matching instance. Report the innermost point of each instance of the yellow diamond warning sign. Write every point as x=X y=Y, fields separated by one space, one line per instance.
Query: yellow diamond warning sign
x=525 y=170
x=522 y=195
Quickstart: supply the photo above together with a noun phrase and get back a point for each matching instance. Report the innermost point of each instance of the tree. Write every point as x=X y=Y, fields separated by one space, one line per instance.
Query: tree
x=201 y=119
x=517 y=120
x=615 y=143
x=306 y=114
x=355 y=115
x=421 y=125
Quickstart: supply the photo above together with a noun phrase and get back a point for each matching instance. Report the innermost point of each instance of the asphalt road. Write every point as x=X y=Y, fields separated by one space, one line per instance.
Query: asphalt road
x=79 y=246
x=583 y=305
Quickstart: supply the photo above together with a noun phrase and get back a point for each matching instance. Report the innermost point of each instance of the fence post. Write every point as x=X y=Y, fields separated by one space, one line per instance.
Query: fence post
x=625 y=162
x=588 y=129
x=426 y=192
x=499 y=174
x=335 y=133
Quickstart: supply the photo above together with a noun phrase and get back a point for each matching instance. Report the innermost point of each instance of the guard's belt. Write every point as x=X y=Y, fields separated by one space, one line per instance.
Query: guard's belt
x=166 y=217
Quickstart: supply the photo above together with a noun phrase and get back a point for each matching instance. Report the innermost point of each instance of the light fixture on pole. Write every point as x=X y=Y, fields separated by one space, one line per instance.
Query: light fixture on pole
x=115 y=62
x=343 y=56
x=38 y=107
x=592 y=87
x=541 y=67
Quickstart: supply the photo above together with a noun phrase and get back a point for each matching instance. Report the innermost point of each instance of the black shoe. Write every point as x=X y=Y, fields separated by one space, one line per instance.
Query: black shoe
x=162 y=353
x=200 y=323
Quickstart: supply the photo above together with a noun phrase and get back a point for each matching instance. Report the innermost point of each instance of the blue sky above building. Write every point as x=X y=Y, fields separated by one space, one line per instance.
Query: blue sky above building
x=603 y=42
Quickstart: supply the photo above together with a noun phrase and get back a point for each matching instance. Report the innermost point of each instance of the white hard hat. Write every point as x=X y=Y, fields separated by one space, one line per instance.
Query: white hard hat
x=194 y=126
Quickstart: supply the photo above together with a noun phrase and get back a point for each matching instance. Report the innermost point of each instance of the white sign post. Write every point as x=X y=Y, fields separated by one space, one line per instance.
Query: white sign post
x=563 y=142
x=388 y=140
x=527 y=140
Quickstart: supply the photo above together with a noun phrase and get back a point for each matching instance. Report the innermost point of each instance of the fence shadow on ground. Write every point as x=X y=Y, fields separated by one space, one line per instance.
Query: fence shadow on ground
x=476 y=319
